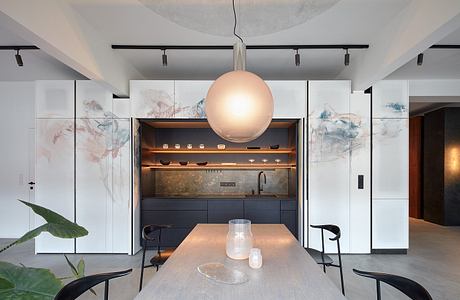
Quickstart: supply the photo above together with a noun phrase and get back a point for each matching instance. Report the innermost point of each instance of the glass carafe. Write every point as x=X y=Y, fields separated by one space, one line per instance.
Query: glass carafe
x=239 y=239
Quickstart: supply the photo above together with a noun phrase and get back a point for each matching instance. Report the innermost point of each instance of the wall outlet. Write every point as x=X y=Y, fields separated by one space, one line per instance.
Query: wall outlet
x=227 y=183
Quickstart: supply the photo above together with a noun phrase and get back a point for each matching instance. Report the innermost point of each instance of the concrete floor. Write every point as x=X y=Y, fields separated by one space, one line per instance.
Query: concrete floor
x=433 y=260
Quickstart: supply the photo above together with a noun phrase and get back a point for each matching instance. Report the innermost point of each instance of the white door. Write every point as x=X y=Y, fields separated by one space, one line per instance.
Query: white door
x=31 y=177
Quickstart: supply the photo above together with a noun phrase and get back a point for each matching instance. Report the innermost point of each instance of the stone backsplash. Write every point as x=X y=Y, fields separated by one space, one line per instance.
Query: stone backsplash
x=208 y=182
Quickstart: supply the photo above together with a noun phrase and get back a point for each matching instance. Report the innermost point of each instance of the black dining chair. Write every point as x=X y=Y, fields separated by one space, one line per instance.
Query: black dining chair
x=76 y=288
x=151 y=236
x=323 y=259
x=407 y=286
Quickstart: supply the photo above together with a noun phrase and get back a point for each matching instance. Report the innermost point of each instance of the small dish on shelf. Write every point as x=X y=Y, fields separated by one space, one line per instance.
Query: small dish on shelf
x=165 y=162
x=221 y=146
x=183 y=163
x=202 y=163
x=274 y=147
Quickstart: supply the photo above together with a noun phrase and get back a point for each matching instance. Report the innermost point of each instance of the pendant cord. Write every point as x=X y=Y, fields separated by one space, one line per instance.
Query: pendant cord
x=235 y=22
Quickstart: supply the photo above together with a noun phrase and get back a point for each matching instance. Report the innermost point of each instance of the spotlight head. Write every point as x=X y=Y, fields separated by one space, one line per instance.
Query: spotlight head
x=420 y=59
x=18 y=57
x=297 y=57
x=164 y=58
x=346 y=60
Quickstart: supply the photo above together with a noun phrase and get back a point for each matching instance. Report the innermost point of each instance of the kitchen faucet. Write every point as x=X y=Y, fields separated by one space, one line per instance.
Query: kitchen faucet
x=260 y=188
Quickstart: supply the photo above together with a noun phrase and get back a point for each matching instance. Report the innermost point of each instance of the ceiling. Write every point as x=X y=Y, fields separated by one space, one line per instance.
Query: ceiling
x=437 y=63
x=132 y=22
x=37 y=64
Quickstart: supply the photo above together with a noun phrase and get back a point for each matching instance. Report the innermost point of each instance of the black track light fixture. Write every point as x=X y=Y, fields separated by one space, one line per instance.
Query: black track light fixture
x=346 y=59
x=18 y=58
x=420 y=59
x=164 y=58
x=297 y=57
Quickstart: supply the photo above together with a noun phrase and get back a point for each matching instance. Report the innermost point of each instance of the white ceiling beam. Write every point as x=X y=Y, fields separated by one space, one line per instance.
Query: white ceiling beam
x=421 y=24
x=58 y=30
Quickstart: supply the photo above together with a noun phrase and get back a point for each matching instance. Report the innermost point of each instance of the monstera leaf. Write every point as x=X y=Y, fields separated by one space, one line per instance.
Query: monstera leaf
x=56 y=225
x=22 y=283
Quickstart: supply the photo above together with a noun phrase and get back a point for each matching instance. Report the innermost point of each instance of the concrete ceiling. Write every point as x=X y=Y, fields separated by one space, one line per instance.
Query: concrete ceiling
x=131 y=22
x=396 y=30
x=37 y=64
x=437 y=63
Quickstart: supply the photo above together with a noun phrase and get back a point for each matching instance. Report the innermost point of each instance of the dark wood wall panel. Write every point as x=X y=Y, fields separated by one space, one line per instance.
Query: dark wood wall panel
x=415 y=167
x=433 y=167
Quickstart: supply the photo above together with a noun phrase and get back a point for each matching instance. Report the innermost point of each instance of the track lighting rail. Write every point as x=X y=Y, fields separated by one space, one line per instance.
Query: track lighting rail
x=230 y=47
x=19 y=47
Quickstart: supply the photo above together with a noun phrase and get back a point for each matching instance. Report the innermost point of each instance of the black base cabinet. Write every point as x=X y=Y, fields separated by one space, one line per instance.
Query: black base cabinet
x=184 y=214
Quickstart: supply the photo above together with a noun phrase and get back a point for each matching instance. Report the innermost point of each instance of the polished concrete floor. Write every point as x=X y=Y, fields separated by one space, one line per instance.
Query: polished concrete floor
x=433 y=260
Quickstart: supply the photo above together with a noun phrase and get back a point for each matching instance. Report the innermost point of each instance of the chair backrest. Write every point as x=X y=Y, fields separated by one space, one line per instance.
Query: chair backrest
x=76 y=288
x=152 y=233
x=334 y=229
x=407 y=286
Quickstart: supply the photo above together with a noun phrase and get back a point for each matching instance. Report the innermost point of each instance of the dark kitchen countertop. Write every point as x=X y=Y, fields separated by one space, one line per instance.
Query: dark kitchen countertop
x=224 y=197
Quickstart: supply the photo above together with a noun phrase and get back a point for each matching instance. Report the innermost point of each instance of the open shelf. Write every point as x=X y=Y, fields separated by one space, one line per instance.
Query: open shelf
x=224 y=151
x=193 y=166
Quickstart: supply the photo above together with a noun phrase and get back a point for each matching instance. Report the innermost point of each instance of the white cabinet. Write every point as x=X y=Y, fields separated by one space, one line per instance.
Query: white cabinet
x=390 y=99
x=92 y=100
x=390 y=158
x=390 y=161
x=390 y=228
x=338 y=137
x=54 y=177
x=152 y=98
x=189 y=98
x=54 y=99
x=289 y=98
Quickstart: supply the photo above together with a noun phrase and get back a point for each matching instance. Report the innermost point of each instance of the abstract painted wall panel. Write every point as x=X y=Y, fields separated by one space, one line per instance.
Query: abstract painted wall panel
x=360 y=165
x=152 y=98
x=54 y=99
x=330 y=133
x=54 y=173
x=390 y=158
x=92 y=100
x=390 y=99
x=289 y=98
x=190 y=97
x=102 y=183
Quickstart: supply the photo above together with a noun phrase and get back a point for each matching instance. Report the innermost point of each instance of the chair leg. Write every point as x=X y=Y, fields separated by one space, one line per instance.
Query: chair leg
x=106 y=290
x=157 y=268
x=340 y=265
x=142 y=268
x=379 y=296
x=322 y=250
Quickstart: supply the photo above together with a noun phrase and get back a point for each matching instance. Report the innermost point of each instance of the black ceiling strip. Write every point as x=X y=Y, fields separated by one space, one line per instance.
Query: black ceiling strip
x=19 y=47
x=230 y=47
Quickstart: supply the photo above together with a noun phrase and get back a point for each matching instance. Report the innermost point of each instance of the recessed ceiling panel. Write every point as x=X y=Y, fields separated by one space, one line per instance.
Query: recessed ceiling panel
x=255 y=17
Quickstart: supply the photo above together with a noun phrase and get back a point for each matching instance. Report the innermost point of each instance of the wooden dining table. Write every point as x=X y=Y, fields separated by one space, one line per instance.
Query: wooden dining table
x=288 y=271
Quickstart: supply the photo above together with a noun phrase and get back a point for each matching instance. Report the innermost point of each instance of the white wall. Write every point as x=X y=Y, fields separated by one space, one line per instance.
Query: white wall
x=17 y=121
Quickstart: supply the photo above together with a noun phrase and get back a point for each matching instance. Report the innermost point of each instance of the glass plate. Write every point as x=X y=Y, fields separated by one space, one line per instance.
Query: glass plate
x=220 y=273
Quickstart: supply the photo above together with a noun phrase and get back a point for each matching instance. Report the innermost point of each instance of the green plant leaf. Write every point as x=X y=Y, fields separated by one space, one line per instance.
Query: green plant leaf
x=56 y=225
x=79 y=271
x=72 y=267
x=20 y=283
x=81 y=267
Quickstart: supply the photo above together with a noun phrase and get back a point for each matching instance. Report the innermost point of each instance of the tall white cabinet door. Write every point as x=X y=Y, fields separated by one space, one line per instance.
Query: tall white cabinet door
x=289 y=98
x=92 y=100
x=54 y=178
x=190 y=98
x=390 y=99
x=390 y=228
x=390 y=146
x=93 y=183
x=119 y=232
x=54 y=99
x=328 y=160
x=360 y=174
x=152 y=98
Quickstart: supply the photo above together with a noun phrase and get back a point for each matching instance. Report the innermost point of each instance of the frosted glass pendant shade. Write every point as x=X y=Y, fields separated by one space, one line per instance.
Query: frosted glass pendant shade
x=239 y=106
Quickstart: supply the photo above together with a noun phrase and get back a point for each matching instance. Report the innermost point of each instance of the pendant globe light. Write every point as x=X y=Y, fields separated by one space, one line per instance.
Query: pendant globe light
x=239 y=104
